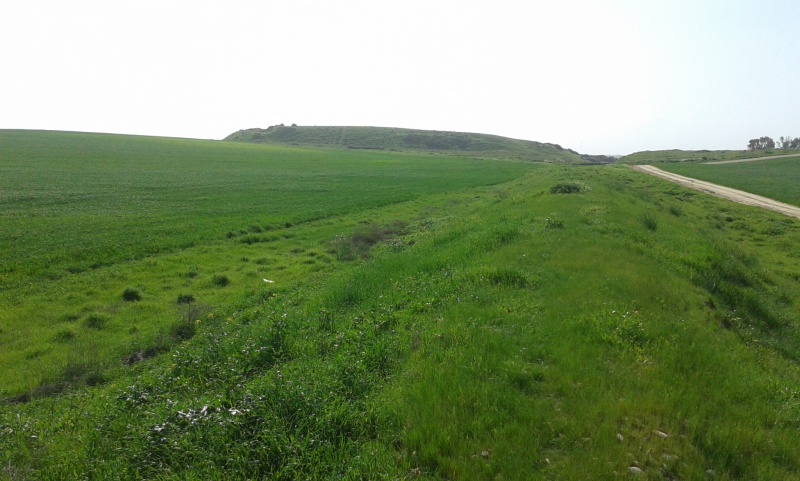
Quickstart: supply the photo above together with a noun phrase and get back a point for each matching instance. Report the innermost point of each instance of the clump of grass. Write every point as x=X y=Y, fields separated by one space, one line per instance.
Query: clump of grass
x=675 y=210
x=185 y=299
x=220 y=280
x=183 y=330
x=569 y=187
x=95 y=321
x=553 y=222
x=650 y=222
x=358 y=245
x=64 y=335
x=131 y=295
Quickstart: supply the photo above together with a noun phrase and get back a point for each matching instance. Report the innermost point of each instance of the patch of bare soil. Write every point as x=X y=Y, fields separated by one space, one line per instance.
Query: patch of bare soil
x=721 y=191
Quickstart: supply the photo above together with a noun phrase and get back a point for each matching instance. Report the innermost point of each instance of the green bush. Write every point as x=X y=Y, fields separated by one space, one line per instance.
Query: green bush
x=131 y=295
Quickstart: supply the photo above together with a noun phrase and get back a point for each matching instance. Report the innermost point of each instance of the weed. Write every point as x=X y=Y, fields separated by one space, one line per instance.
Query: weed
x=220 y=280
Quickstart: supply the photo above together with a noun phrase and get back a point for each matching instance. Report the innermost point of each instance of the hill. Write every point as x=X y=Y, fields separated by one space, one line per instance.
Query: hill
x=676 y=155
x=413 y=140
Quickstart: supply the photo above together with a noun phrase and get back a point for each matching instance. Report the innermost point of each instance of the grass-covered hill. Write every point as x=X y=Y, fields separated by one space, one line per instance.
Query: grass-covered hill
x=675 y=155
x=197 y=310
x=429 y=141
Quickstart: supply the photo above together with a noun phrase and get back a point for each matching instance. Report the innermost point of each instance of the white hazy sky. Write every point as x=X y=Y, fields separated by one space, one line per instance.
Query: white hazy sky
x=598 y=76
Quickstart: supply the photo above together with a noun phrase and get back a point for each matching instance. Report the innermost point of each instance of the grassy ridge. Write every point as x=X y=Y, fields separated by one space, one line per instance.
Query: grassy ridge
x=510 y=332
x=774 y=178
x=382 y=138
x=86 y=217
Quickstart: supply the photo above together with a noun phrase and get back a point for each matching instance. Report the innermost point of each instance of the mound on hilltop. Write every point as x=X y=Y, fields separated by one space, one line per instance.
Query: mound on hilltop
x=413 y=140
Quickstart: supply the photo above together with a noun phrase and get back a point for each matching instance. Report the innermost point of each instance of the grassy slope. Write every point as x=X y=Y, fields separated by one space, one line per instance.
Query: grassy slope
x=774 y=178
x=508 y=333
x=380 y=138
x=661 y=156
x=86 y=216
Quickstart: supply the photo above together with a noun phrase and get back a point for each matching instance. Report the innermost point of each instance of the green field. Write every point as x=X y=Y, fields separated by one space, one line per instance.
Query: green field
x=774 y=178
x=431 y=318
x=675 y=155
x=86 y=216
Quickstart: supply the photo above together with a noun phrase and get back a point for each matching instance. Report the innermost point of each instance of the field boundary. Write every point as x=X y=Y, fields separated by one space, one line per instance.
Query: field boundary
x=722 y=192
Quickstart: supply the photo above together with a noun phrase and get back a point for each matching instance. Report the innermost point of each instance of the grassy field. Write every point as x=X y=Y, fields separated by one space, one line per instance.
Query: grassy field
x=85 y=217
x=428 y=141
x=664 y=156
x=774 y=178
x=561 y=323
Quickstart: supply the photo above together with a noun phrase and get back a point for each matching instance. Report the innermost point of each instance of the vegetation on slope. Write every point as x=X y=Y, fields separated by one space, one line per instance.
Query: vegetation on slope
x=571 y=323
x=429 y=141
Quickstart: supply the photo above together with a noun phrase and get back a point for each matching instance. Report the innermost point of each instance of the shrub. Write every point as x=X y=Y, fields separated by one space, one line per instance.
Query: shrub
x=131 y=295
x=570 y=187
x=220 y=280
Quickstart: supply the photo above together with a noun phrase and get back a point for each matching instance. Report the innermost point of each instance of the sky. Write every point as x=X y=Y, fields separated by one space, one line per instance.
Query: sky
x=598 y=76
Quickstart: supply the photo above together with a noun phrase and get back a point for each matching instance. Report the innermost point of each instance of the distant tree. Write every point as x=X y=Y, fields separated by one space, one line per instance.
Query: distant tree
x=789 y=143
x=763 y=143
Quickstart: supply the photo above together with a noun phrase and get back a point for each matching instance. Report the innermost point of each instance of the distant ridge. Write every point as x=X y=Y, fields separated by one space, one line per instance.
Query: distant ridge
x=413 y=140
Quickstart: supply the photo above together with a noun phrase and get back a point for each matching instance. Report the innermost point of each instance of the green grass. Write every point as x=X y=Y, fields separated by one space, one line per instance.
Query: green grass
x=428 y=141
x=469 y=339
x=774 y=178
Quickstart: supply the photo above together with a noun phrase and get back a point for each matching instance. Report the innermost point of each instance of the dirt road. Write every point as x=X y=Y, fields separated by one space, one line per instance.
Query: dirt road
x=722 y=192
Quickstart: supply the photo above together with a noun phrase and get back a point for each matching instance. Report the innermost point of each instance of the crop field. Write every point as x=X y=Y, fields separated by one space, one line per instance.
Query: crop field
x=85 y=217
x=430 y=318
x=774 y=178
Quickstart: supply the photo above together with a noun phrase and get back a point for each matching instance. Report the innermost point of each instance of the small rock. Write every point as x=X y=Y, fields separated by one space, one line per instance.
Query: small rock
x=635 y=470
x=620 y=437
x=485 y=454
x=660 y=434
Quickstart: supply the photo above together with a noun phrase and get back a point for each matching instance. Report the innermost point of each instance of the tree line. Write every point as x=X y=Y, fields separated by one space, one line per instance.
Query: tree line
x=766 y=143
